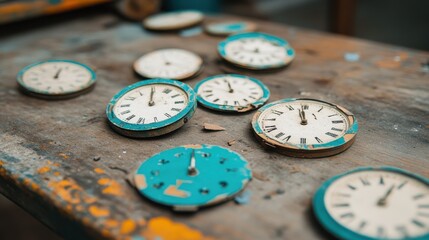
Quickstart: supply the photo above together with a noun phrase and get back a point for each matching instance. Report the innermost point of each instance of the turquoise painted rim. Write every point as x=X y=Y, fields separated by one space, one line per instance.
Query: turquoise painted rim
x=353 y=128
x=333 y=226
x=145 y=127
x=256 y=104
x=26 y=68
x=279 y=41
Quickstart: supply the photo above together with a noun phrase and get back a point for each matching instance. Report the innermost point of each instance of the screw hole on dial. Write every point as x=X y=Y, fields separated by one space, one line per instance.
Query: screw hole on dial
x=223 y=184
x=204 y=191
x=158 y=185
x=222 y=160
x=178 y=155
x=154 y=172
x=163 y=161
x=205 y=154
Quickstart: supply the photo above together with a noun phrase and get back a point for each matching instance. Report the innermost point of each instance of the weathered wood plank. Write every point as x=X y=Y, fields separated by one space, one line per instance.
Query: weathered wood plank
x=47 y=148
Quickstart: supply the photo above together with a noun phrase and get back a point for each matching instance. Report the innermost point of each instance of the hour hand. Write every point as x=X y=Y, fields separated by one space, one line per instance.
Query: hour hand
x=302 y=116
x=192 y=168
x=152 y=91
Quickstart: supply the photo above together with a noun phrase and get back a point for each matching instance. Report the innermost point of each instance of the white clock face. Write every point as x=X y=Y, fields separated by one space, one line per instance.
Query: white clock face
x=151 y=103
x=168 y=63
x=303 y=122
x=173 y=20
x=380 y=204
x=56 y=77
x=230 y=90
x=255 y=52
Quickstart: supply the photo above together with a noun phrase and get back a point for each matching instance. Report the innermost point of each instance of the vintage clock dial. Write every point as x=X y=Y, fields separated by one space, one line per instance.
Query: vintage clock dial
x=257 y=51
x=374 y=203
x=228 y=28
x=305 y=127
x=56 y=79
x=173 y=20
x=192 y=176
x=231 y=92
x=151 y=108
x=172 y=63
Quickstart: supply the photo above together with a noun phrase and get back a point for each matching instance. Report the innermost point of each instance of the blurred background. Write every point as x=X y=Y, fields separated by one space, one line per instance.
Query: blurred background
x=396 y=22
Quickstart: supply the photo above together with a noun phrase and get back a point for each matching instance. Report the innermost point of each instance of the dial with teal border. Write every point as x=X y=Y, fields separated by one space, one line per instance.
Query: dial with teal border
x=227 y=28
x=155 y=128
x=192 y=176
x=289 y=52
x=338 y=230
x=82 y=88
x=308 y=150
x=229 y=108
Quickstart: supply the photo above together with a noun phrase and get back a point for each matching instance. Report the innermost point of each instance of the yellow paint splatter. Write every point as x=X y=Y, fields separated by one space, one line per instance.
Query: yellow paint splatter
x=99 y=170
x=43 y=170
x=98 y=211
x=128 y=226
x=164 y=228
x=112 y=187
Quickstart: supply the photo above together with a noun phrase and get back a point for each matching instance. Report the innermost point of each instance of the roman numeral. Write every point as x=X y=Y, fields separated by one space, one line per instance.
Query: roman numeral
x=279 y=135
x=155 y=119
x=342 y=205
x=270 y=128
x=364 y=181
x=347 y=215
x=286 y=138
x=333 y=115
x=176 y=109
x=125 y=112
x=141 y=120
x=208 y=91
x=418 y=223
x=130 y=98
x=337 y=121
x=331 y=134
x=336 y=129
x=217 y=99
x=402 y=184
x=305 y=107
x=320 y=109
x=381 y=180
x=167 y=115
x=166 y=91
x=209 y=95
x=176 y=95
x=290 y=107
x=418 y=196
x=303 y=140
x=277 y=112
x=351 y=187
x=130 y=117
x=318 y=140
x=236 y=103
x=178 y=102
x=125 y=105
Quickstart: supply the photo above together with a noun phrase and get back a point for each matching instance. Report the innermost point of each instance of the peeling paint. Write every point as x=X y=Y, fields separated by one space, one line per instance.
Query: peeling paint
x=165 y=229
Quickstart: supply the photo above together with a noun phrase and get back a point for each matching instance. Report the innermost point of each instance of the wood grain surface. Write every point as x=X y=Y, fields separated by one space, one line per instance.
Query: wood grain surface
x=60 y=161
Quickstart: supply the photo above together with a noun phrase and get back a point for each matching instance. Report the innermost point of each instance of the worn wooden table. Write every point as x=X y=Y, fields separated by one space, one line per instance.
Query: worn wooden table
x=47 y=148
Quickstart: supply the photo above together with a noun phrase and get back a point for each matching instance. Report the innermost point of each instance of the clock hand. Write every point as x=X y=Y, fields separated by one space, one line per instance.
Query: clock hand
x=152 y=91
x=302 y=116
x=229 y=86
x=58 y=73
x=192 y=169
x=382 y=201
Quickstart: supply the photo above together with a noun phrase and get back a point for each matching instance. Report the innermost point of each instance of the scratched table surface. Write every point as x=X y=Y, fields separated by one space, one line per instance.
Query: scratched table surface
x=48 y=149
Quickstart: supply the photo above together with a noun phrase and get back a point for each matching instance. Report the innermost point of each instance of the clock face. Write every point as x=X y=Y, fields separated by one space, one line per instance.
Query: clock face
x=169 y=63
x=310 y=127
x=232 y=92
x=192 y=176
x=228 y=28
x=256 y=51
x=383 y=203
x=56 y=78
x=147 y=108
x=173 y=20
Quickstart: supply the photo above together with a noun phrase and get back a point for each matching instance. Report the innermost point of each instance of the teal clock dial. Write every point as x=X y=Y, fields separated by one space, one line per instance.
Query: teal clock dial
x=228 y=28
x=257 y=51
x=231 y=93
x=192 y=176
x=151 y=108
x=374 y=203
x=56 y=79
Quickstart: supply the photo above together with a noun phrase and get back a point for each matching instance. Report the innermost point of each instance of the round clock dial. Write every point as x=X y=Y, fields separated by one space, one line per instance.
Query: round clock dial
x=232 y=92
x=56 y=79
x=169 y=63
x=192 y=176
x=305 y=127
x=375 y=203
x=228 y=28
x=173 y=20
x=256 y=51
x=151 y=108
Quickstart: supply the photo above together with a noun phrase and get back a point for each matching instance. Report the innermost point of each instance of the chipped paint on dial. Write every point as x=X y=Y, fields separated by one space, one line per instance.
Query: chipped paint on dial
x=228 y=28
x=220 y=174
